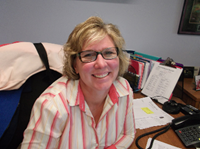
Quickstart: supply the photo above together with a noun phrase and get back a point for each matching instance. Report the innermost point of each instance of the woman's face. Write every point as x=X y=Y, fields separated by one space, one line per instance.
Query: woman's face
x=99 y=74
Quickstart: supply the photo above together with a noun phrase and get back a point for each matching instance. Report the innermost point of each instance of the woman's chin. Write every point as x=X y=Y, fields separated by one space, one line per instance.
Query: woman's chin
x=103 y=86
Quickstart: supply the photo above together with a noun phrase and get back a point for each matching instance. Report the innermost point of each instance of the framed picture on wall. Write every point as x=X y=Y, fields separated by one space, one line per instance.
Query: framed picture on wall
x=190 y=18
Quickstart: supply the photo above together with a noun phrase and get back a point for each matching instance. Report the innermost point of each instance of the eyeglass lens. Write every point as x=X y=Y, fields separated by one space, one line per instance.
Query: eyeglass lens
x=90 y=55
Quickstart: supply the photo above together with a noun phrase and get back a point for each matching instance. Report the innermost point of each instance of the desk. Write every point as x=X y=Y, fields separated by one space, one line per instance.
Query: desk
x=169 y=137
x=190 y=96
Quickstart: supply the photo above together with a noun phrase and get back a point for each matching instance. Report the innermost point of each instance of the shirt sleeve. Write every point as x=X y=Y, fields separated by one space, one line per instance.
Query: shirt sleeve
x=126 y=137
x=45 y=125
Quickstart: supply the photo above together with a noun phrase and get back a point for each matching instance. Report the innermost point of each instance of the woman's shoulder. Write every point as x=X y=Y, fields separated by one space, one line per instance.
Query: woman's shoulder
x=61 y=87
x=122 y=86
x=54 y=95
x=57 y=85
x=121 y=81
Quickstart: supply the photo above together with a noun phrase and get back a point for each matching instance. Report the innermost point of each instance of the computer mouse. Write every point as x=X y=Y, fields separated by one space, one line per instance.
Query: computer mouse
x=171 y=107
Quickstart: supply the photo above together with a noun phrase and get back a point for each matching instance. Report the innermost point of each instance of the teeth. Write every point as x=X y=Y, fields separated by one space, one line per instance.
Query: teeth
x=101 y=76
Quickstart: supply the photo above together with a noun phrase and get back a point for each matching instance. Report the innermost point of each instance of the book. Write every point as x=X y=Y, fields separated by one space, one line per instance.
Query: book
x=134 y=66
x=133 y=80
x=137 y=68
x=161 y=81
x=146 y=70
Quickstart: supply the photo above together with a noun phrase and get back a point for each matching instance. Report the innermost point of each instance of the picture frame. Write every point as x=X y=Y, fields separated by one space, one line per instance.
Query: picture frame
x=197 y=82
x=190 y=18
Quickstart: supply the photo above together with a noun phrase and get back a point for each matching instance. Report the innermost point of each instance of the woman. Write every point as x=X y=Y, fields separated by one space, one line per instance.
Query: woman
x=91 y=105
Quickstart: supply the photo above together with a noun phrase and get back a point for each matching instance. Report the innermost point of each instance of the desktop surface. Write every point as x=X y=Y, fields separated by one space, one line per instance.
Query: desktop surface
x=168 y=137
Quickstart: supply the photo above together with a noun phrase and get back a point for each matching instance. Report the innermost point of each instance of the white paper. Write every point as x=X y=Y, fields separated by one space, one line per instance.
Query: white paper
x=160 y=145
x=161 y=81
x=148 y=114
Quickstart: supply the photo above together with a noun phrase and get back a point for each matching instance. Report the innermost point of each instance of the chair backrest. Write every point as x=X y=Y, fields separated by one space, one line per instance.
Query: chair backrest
x=30 y=91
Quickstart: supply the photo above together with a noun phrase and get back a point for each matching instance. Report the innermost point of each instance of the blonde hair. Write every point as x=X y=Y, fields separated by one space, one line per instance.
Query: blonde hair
x=93 y=29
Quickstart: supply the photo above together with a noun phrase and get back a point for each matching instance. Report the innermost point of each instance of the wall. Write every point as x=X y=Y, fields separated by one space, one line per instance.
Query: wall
x=147 y=26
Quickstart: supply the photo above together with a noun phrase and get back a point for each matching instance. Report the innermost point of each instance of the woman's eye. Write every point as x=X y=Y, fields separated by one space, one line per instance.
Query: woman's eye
x=87 y=55
x=108 y=53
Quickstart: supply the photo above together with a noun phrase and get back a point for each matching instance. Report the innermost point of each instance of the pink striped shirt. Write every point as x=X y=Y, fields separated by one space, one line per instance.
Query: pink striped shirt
x=61 y=118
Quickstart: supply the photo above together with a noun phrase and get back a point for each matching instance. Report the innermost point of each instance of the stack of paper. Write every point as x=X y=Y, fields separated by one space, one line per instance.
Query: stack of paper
x=148 y=114
x=158 y=145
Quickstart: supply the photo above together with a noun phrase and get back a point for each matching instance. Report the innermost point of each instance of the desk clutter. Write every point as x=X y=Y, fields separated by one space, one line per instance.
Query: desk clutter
x=148 y=114
x=153 y=76
x=156 y=78
x=193 y=72
x=158 y=145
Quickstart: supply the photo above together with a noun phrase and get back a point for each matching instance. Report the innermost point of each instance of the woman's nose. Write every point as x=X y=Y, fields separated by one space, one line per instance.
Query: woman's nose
x=100 y=61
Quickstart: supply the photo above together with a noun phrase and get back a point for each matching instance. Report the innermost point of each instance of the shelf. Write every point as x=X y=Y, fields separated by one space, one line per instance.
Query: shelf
x=189 y=96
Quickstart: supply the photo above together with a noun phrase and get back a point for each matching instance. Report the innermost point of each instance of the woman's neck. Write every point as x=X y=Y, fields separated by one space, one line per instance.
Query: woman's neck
x=95 y=100
x=93 y=97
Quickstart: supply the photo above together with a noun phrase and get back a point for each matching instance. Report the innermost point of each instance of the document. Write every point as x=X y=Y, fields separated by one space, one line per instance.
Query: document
x=160 y=145
x=148 y=114
x=161 y=81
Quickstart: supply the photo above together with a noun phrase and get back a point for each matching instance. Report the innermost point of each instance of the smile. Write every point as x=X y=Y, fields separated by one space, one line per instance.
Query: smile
x=101 y=76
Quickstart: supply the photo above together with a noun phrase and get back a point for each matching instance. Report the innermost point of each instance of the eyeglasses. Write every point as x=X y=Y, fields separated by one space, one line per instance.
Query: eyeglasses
x=91 y=55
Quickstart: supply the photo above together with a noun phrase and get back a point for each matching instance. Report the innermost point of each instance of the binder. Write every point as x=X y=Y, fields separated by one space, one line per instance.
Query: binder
x=137 y=68
x=146 y=69
x=139 y=54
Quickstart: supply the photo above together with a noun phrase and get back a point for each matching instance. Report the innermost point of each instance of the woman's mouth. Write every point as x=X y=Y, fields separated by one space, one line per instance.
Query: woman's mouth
x=101 y=76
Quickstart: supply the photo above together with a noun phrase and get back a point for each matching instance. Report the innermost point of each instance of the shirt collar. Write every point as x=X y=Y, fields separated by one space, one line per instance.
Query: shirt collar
x=75 y=97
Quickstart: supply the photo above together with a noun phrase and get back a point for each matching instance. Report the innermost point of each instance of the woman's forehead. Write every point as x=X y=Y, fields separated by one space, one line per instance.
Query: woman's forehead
x=93 y=41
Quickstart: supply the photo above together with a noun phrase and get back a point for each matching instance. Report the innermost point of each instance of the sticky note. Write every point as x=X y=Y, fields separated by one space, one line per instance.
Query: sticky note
x=147 y=110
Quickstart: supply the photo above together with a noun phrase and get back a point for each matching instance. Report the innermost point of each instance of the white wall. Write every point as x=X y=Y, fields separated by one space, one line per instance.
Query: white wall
x=148 y=26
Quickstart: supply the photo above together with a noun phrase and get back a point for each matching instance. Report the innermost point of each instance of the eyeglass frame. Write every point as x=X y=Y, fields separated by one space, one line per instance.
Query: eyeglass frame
x=97 y=53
